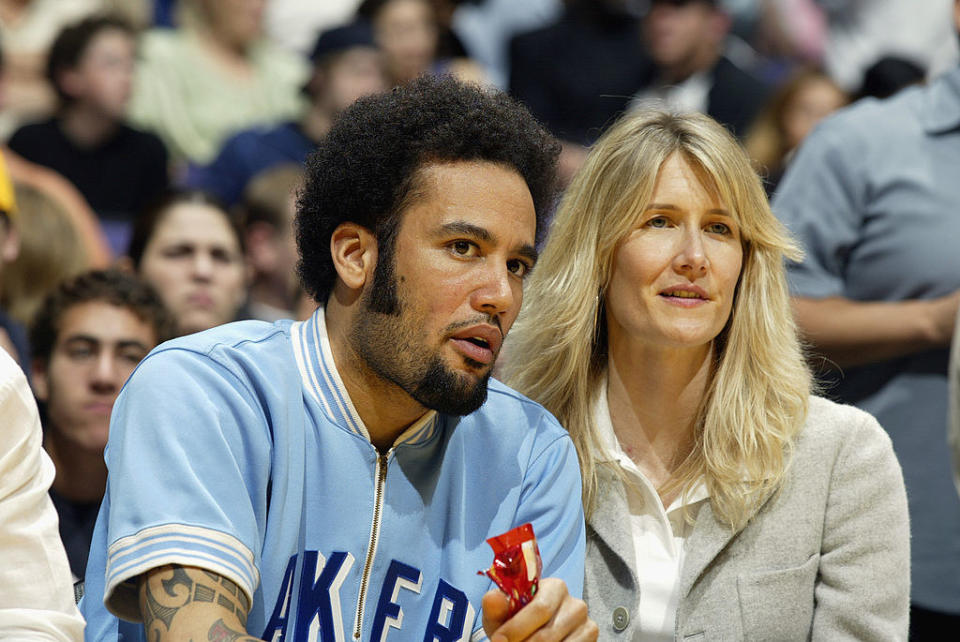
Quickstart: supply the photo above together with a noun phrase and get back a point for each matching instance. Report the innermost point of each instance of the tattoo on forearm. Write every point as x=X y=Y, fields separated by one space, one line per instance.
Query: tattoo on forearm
x=160 y=607
x=220 y=632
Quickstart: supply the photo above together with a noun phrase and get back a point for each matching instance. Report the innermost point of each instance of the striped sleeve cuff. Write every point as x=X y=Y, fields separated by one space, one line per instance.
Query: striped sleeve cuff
x=210 y=550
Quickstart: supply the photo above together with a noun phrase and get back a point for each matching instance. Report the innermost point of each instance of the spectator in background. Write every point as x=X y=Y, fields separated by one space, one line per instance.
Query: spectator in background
x=27 y=29
x=191 y=250
x=346 y=66
x=13 y=337
x=118 y=169
x=294 y=24
x=872 y=195
x=686 y=40
x=50 y=253
x=576 y=75
x=860 y=33
x=486 y=27
x=267 y=211
x=409 y=34
x=792 y=112
x=889 y=75
x=953 y=431
x=87 y=338
x=36 y=594
x=212 y=76
x=24 y=172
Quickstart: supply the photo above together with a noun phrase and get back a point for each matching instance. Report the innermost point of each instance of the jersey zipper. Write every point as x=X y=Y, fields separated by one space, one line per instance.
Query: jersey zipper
x=374 y=538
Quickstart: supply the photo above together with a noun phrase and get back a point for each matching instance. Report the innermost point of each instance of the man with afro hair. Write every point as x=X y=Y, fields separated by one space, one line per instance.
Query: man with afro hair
x=339 y=476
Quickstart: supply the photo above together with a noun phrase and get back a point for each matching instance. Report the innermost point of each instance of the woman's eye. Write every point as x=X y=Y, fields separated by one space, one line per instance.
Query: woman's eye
x=719 y=228
x=658 y=221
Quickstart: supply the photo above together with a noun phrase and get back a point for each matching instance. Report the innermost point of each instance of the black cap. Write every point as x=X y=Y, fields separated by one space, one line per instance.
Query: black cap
x=339 y=39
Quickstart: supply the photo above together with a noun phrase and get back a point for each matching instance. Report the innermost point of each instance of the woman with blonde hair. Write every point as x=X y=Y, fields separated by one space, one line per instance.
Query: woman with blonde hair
x=722 y=498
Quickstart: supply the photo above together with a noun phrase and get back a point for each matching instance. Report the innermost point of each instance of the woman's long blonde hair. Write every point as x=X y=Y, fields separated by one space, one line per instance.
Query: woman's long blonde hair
x=756 y=401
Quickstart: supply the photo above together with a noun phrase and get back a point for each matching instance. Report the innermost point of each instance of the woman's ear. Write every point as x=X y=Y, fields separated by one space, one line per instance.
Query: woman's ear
x=354 y=251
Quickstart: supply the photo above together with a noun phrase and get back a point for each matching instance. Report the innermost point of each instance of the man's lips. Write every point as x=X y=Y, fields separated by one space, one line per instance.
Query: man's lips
x=99 y=407
x=481 y=343
x=200 y=300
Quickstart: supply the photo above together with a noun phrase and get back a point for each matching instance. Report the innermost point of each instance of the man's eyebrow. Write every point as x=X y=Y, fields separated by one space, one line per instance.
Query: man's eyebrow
x=121 y=344
x=483 y=234
x=468 y=229
x=529 y=252
x=133 y=343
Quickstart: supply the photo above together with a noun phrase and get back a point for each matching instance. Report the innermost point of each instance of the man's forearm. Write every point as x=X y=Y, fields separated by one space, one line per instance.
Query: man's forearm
x=852 y=333
x=181 y=603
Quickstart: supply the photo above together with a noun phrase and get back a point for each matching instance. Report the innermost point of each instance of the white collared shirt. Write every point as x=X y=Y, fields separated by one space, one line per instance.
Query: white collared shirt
x=659 y=535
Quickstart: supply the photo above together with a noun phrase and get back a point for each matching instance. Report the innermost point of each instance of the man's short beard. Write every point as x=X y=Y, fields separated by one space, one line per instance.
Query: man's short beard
x=386 y=340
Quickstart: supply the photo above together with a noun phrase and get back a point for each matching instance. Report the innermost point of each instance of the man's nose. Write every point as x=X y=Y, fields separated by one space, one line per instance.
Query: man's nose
x=106 y=374
x=496 y=293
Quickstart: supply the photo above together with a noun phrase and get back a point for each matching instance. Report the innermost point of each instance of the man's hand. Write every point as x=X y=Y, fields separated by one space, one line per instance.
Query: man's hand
x=552 y=614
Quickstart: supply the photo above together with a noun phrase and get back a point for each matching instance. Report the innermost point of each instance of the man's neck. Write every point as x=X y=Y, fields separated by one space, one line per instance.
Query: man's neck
x=81 y=474
x=385 y=409
x=86 y=127
x=700 y=63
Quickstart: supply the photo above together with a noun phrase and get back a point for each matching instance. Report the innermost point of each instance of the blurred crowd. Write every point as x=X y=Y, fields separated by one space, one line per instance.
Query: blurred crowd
x=151 y=151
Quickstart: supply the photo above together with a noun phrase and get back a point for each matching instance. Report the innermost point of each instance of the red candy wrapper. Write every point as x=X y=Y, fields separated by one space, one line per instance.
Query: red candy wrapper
x=516 y=565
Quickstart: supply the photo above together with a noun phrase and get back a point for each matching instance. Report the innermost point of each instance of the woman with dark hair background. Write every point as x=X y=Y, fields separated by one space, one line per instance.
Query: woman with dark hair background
x=191 y=250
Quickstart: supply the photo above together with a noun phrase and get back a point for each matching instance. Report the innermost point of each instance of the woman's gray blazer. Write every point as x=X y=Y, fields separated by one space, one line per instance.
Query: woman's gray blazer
x=828 y=558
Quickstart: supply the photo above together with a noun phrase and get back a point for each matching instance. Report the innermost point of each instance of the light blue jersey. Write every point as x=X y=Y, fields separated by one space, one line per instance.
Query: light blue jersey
x=237 y=450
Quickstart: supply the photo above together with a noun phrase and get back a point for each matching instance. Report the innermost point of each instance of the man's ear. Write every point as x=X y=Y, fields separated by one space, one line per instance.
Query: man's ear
x=38 y=379
x=354 y=251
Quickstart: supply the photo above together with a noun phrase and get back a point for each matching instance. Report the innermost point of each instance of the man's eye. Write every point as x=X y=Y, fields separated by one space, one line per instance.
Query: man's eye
x=518 y=267
x=463 y=248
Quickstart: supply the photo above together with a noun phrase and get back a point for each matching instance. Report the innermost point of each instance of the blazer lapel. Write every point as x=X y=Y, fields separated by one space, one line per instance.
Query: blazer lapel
x=708 y=538
x=611 y=519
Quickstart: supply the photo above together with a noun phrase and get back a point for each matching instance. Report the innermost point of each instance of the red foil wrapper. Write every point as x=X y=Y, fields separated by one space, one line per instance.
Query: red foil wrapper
x=516 y=565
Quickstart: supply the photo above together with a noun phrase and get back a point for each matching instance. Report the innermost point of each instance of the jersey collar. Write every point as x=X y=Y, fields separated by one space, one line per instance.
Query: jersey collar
x=322 y=382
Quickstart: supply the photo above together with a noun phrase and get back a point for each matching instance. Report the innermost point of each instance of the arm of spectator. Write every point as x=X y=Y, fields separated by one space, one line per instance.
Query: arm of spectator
x=187 y=603
x=953 y=436
x=553 y=614
x=36 y=591
x=852 y=333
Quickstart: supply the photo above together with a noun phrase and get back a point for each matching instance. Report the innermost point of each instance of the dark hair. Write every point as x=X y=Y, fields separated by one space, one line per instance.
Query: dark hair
x=113 y=287
x=364 y=169
x=71 y=44
x=148 y=221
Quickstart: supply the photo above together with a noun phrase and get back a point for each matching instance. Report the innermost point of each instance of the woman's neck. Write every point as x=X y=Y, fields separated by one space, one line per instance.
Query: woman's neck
x=655 y=395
